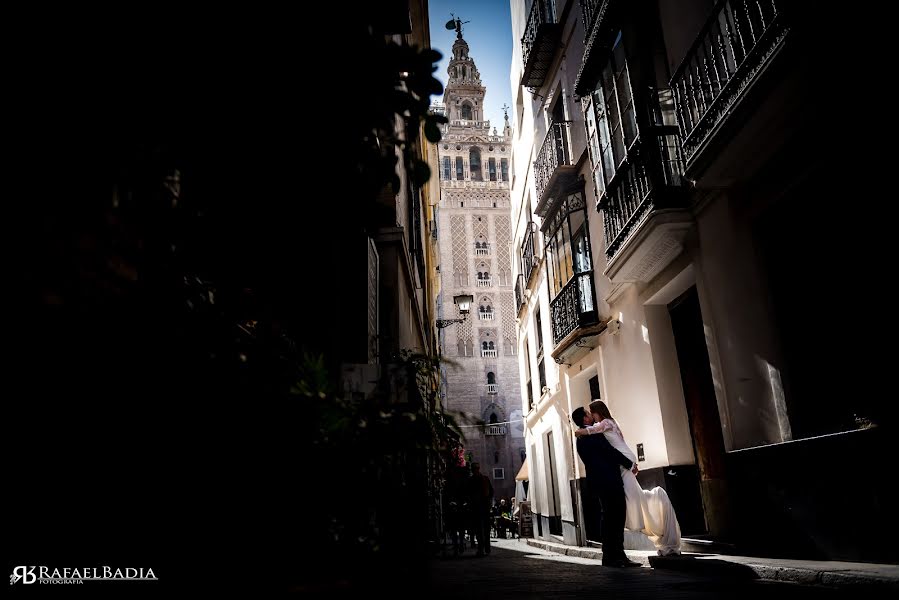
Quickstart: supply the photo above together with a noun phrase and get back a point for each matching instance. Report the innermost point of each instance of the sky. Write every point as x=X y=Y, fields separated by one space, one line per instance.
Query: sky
x=489 y=37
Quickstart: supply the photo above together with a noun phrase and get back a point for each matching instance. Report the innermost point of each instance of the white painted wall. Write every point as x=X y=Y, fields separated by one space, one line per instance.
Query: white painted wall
x=739 y=329
x=631 y=391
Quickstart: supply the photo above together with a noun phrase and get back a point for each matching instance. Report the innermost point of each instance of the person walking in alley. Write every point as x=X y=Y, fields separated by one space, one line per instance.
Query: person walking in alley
x=603 y=474
x=457 y=508
x=481 y=501
x=649 y=511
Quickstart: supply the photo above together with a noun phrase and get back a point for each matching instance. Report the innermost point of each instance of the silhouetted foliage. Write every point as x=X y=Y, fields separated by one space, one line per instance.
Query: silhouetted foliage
x=192 y=196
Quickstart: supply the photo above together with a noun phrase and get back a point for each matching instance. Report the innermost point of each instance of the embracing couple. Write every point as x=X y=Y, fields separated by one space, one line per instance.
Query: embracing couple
x=611 y=472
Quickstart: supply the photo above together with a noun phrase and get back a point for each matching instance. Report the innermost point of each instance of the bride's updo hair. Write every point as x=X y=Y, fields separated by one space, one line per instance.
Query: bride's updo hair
x=600 y=408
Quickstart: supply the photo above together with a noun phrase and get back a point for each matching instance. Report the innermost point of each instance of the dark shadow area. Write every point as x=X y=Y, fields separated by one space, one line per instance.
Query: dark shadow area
x=710 y=567
x=182 y=192
x=808 y=511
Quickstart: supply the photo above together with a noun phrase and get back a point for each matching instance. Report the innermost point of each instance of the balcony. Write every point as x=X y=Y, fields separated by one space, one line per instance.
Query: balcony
x=488 y=353
x=540 y=42
x=574 y=307
x=519 y=293
x=530 y=257
x=601 y=22
x=591 y=10
x=469 y=123
x=728 y=57
x=481 y=250
x=492 y=388
x=475 y=185
x=495 y=430
x=485 y=315
x=484 y=283
x=575 y=323
x=553 y=168
x=642 y=207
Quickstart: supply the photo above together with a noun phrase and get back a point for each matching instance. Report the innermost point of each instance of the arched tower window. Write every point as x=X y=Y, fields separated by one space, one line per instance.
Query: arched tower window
x=474 y=164
x=466 y=111
x=485 y=309
x=491 y=377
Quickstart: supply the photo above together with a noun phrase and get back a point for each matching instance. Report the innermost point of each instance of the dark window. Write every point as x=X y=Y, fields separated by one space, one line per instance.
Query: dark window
x=474 y=164
x=542 y=370
x=504 y=167
x=610 y=119
x=492 y=166
x=527 y=373
x=567 y=243
x=447 y=168
x=460 y=173
x=594 y=388
x=539 y=324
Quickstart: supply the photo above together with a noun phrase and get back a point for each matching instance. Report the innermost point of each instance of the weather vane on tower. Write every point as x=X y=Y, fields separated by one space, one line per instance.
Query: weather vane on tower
x=456 y=23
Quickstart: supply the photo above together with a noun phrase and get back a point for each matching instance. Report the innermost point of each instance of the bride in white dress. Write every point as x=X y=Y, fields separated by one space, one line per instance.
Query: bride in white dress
x=649 y=511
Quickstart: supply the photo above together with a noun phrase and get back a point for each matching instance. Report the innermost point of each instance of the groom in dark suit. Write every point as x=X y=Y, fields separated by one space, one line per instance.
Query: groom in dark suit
x=604 y=477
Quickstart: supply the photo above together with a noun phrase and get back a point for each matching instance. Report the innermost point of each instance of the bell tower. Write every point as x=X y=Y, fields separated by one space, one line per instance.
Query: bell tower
x=474 y=235
x=464 y=95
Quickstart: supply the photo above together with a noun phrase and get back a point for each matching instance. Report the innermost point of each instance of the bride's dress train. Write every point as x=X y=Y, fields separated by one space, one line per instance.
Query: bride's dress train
x=649 y=511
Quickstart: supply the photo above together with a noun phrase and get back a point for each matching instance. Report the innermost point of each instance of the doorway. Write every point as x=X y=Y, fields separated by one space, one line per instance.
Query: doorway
x=554 y=518
x=702 y=412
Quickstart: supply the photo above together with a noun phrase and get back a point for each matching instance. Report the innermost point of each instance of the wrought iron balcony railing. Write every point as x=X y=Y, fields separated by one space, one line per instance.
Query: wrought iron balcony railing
x=554 y=154
x=470 y=123
x=519 y=292
x=591 y=10
x=574 y=306
x=539 y=44
x=484 y=283
x=740 y=37
x=495 y=430
x=650 y=177
x=602 y=19
x=632 y=194
x=530 y=257
x=491 y=388
x=488 y=353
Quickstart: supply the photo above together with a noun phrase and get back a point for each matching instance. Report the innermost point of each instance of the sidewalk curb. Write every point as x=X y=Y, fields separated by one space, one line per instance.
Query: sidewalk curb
x=835 y=577
x=828 y=578
x=581 y=552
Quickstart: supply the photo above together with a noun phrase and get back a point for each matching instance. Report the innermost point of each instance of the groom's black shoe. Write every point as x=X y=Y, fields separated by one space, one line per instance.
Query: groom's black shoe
x=620 y=563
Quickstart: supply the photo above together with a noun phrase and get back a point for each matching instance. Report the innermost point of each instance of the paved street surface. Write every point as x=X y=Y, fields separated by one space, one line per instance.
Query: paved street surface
x=514 y=569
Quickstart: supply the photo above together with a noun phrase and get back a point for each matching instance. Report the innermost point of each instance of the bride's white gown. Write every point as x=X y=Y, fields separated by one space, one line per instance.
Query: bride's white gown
x=649 y=511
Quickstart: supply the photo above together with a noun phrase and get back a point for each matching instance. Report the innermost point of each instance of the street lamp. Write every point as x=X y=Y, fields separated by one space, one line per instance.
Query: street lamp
x=463 y=301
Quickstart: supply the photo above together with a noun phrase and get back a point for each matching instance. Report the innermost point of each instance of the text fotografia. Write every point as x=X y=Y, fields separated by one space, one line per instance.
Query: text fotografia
x=66 y=575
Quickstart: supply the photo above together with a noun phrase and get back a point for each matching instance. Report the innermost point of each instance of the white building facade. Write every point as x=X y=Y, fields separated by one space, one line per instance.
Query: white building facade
x=653 y=196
